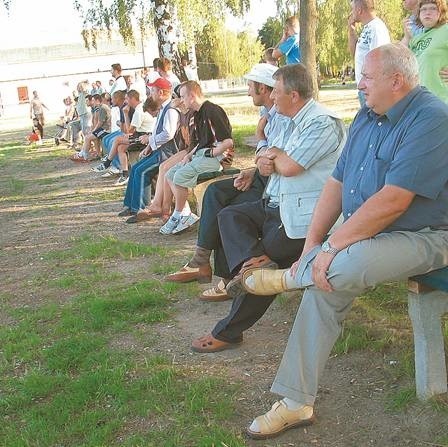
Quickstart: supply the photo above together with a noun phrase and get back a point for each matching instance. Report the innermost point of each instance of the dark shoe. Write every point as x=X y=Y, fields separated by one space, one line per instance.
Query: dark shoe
x=208 y=344
x=201 y=274
x=126 y=212
x=132 y=219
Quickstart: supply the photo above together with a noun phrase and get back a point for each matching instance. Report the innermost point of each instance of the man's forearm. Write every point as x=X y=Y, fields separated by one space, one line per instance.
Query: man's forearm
x=326 y=213
x=376 y=214
x=222 y=146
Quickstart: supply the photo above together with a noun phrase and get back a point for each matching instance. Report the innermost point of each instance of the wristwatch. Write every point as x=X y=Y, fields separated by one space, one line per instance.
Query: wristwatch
x=327 y=248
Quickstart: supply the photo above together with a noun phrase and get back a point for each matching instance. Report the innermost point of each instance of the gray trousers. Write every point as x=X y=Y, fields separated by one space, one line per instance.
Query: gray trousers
x=385 y=257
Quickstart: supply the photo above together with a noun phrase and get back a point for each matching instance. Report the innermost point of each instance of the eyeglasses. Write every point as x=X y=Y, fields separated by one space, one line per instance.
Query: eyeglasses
x=432 y=8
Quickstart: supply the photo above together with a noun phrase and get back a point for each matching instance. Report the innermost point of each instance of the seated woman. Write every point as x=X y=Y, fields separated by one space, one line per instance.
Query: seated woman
x=431 y=46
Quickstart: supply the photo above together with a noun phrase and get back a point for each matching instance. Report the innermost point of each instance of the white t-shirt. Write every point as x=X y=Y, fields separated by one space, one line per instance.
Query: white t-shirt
x=119 y=84
x=373 y=35
x=114 y=117
x=142 y=121
x=140 y=87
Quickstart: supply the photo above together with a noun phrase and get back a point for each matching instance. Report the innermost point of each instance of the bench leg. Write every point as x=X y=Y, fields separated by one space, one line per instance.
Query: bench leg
x=426 y=310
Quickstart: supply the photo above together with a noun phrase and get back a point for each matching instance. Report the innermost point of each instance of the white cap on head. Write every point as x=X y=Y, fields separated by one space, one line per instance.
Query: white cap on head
x=262 y=73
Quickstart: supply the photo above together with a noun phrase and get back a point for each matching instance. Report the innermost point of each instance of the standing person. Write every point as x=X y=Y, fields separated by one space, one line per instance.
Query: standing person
x=37 y=111
x=82 y=109
x=410 y=26
x=165 y=70
x=431 y=46
x=212 y=141
x=190 y=72
x=391 y=185
x=119 y=82
x=373 y=34
x=289 y=43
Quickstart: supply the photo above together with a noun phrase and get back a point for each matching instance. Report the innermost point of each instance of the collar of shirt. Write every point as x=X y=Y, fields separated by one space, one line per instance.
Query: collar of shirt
x=271 y=112
x=396 y=111
x=297 y=118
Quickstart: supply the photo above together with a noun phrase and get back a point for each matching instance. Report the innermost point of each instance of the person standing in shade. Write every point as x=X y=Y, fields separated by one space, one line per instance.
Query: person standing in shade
x=373 y=34
x=37 y=112
x=289 y=43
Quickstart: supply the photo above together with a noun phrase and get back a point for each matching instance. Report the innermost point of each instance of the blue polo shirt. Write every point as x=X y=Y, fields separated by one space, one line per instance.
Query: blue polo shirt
x=290 y=48
x=406 y=147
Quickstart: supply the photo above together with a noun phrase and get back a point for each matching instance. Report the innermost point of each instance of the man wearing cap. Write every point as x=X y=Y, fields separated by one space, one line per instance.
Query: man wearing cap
x=271 y=231
x=248 y=186
x=164 y=131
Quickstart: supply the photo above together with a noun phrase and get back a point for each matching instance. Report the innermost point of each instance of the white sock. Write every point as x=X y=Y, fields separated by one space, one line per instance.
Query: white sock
x=176 y=214
x=292 y=404
x=186 y=210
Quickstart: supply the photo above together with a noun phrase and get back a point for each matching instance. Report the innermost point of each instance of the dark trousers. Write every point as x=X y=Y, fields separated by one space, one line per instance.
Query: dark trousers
x=248 y=230
x=217 y=196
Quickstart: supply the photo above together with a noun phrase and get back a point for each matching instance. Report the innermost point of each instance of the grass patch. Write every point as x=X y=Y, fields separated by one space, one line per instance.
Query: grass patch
x=401 y=399
x=105 y=247
x=239 y=133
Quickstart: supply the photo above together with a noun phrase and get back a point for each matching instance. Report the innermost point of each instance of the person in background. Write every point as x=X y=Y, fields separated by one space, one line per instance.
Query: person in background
x=190 y=72
x=119 y=82
x=373 y=34
x=164 y=68
x=37 y=111
x=289 y=43
x=269 y=58
x=431 y=46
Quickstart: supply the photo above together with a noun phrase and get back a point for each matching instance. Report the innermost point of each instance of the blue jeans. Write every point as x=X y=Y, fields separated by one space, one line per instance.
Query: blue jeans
x=108 y=141
x=140 y=177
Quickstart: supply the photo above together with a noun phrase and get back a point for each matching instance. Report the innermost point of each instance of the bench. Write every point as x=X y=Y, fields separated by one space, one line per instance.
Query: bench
x=427 y=302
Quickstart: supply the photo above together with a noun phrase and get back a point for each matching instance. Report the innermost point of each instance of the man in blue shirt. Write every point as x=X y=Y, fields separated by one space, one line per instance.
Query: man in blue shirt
x=391 y=185
x=289 y=43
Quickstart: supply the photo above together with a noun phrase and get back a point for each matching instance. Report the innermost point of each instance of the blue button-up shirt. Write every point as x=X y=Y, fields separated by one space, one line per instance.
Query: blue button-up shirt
x=406 y=147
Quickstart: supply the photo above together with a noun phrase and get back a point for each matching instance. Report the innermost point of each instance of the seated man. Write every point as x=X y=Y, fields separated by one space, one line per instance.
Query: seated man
x=391 y=185
x=248 y=186
x=142 y=172
x=142 y=123
x=212 y=140
x=273 y=229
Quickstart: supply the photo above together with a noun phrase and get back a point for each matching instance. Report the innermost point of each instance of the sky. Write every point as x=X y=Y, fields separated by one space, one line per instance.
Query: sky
x=46 y=22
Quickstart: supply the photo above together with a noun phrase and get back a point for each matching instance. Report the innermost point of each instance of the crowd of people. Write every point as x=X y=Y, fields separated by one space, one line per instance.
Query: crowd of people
x=278 y=226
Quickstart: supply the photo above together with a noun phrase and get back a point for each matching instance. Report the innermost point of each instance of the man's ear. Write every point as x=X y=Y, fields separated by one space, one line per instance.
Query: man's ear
x=397 y=81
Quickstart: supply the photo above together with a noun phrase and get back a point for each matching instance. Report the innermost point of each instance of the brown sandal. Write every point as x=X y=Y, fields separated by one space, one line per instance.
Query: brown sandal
x=208 y=344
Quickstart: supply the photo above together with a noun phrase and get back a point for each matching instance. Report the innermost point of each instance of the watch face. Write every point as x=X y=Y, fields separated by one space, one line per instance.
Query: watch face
x=325 y=246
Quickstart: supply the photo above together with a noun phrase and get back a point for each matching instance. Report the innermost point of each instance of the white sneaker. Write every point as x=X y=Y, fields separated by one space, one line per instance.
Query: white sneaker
x=169 y=226
x=185 y=223
x=122 y=181
x=111 y=172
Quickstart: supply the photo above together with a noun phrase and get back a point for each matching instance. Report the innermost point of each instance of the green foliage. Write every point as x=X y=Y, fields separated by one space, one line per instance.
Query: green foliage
x=227 y=54
x=271 y=32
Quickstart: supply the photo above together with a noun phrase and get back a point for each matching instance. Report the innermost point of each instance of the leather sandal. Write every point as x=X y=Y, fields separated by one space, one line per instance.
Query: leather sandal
x=265 y=281
x=279 y=419
x=235 y=287
x=216 y=293
x=201 y=274
x=208 y=344
x=147 y=214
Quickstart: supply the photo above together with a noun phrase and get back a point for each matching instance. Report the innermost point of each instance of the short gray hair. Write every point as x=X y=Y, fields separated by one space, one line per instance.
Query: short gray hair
x=397 y=58
x=296 y=78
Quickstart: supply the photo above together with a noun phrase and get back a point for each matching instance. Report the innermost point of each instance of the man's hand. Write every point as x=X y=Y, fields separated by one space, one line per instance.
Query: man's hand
x=351 y=23
x=444 y=74
x=320 y=267
x=265 y=163
x=243 y=180
x=144 y=139
x=186 y=159
x=145 y=152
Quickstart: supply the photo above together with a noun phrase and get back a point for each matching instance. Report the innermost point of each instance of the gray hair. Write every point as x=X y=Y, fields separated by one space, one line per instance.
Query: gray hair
x=296 y=78
x=397 y=58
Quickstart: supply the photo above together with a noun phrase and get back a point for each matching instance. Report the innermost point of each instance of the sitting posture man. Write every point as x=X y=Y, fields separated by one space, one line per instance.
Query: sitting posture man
x=142 y=123
x=248 y=186
x=273 y=229
x=212 y=140
x=390 y=184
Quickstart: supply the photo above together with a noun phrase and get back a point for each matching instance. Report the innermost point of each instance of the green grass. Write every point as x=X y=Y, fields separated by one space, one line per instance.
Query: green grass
x=239 y=133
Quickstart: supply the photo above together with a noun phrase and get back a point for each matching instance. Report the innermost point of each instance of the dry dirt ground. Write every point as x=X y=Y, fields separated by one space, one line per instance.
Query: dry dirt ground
x=352 y=404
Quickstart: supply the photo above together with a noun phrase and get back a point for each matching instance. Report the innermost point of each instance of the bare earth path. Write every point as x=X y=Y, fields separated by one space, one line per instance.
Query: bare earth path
x=63 y=200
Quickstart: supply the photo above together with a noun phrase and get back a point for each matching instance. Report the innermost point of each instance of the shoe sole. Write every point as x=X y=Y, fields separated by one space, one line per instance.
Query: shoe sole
x=260 y=436
x=214 y=299
x=199 y=279
x=221 y=348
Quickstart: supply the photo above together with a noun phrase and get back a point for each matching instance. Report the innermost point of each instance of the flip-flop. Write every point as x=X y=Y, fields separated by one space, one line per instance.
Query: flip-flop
x=147 y=214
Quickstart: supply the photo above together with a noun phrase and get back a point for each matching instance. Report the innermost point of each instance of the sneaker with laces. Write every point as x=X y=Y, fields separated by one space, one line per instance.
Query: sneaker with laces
x=185 y=223
x=111 y=172
x=169 y=226
x=122 y=181
x=104 y=158
x=100 y=168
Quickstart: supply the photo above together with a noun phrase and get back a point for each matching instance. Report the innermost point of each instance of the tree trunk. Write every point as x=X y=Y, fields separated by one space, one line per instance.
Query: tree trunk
x=308 y=25
x=166 y=24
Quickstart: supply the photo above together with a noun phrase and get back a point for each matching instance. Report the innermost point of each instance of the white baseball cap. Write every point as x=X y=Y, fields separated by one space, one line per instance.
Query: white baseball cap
x=262 y=73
